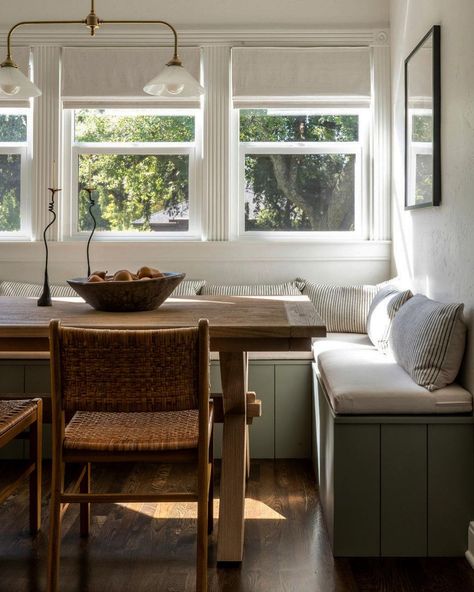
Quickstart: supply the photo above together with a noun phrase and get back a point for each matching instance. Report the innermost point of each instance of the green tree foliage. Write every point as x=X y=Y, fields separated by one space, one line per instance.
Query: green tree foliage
x=12 y=129
x=130 y=188
x=299 y=191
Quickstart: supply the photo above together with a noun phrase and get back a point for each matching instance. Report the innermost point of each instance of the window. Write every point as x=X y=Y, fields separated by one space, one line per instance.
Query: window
x=302 y=171
x=141 y=166
x=13 y=171
x=420 y=172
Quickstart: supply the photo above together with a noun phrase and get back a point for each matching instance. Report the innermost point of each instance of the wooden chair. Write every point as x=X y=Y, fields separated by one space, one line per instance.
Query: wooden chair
x=16 y=416
x=135 y=396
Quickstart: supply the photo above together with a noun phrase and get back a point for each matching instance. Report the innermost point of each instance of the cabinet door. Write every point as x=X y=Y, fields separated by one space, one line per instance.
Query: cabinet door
x=293 y=410
x=262 y=430
x=12 y=379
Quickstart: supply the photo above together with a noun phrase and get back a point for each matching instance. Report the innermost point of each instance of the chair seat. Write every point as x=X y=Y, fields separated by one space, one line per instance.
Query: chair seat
x=14 y=411
x=137 y=431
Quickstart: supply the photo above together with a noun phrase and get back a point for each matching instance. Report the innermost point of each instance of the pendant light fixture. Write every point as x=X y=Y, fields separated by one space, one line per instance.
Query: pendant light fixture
x=172 y=81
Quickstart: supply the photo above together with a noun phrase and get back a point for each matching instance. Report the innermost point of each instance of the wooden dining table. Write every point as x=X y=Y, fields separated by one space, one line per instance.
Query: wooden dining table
x=237 y=325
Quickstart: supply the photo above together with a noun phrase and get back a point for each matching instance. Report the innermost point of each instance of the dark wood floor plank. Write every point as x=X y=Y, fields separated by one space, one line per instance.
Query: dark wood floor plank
x=147 y=547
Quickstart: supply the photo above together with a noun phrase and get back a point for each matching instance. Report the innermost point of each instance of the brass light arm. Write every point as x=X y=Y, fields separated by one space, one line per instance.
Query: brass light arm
x=175 y=61
x=9 y=61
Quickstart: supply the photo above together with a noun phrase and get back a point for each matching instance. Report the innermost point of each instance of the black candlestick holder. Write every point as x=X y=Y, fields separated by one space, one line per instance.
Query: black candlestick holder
x=45 y=298
x=91 y=205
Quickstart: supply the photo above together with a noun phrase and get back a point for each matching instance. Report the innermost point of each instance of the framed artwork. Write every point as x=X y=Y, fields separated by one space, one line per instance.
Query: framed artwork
x=423 y=123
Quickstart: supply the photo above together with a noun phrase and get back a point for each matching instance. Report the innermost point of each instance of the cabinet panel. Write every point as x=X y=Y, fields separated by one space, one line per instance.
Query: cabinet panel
x=293 y=411
x=261 y=380
x=12 y=379
x=356 y=490
x=450 y=488
x=403 y=490
x=37 y=379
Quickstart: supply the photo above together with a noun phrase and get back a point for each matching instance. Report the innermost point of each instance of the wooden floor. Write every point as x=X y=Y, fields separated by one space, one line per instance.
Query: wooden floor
x=150 y=547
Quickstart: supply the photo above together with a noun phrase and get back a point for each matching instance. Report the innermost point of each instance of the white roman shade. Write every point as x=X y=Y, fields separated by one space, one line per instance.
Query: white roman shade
x=115 y=76
x=266 y=76
x=21 y=57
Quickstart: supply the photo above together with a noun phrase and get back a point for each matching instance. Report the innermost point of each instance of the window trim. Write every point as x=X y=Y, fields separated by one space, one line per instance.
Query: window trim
x=362 y=175
x=24 y=149
x=70 y=176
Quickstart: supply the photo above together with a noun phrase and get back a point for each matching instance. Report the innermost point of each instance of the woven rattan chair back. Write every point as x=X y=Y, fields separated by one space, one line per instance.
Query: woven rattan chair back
x=127 y=370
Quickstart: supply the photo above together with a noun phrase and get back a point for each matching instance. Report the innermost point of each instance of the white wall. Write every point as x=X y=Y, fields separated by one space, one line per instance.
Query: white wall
x=210 y=13
x=434 y=247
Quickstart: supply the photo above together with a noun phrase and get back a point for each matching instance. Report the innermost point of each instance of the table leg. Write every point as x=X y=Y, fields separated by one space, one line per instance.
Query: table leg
x=230 y=538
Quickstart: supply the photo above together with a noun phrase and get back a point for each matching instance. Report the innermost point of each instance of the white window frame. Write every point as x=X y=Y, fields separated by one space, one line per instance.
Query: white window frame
x=361 y=149
x=416 y=148
x=24 y=149
x=72 y=151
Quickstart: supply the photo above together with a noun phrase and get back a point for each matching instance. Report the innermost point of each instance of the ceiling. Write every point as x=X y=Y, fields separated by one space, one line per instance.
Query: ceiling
x=310 y=14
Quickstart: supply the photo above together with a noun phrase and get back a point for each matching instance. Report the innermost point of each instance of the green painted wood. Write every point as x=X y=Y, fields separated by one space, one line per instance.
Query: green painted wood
x=450 y=488
x=293 y=411
x=356 y=490
x=12 y=378
x=262 y=431
x=403 y=490
x=324 y=424
x=37 y=378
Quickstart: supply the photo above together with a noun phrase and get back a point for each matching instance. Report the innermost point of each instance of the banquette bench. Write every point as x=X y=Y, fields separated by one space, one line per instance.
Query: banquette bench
x=395 y=458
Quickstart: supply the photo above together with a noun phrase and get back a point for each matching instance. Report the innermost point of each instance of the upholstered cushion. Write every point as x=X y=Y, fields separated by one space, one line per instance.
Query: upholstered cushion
x=343 y=308
x=382 y=311
x=286 y=289
x=12 y=288
x=334 y=341
x=188 y=288
x=427 y=340
x=365 y=381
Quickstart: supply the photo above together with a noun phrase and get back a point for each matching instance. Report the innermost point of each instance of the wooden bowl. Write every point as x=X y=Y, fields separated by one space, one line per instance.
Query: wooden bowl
x=129 y=296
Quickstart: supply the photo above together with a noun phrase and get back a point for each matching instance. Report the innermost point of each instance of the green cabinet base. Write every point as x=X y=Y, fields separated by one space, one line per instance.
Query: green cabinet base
x=394 y=486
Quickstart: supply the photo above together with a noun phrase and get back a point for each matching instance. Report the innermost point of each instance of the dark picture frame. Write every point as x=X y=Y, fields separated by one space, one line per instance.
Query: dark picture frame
x=423 y=123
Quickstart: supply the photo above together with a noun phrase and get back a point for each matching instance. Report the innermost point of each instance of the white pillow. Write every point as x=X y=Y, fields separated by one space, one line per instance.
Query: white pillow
x=385 y=305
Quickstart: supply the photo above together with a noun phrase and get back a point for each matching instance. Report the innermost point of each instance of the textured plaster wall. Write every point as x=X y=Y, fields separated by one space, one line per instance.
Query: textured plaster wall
x=434 y=247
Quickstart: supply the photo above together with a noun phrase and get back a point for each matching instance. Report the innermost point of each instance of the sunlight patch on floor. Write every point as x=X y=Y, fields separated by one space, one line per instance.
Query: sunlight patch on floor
x=254 y=510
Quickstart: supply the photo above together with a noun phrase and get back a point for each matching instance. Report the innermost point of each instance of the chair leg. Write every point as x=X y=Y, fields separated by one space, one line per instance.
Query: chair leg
x=54 y=545
x=210 y=501
x=84 y=516
x=36 y=442
x=202 y=542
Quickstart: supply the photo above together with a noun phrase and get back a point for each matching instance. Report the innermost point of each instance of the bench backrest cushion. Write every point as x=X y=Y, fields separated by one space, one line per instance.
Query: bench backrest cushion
x=286 y=289
x=27 y=289
x=188 y=288
x=385 y=305
x=343 y=308
x=427 y=340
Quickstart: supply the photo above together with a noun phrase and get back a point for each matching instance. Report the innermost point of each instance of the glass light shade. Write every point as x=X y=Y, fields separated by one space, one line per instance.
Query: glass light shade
x=174 y=81
x=14 y=84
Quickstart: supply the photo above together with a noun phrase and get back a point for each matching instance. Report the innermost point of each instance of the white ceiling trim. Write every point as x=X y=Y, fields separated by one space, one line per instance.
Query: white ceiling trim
x=147 y=35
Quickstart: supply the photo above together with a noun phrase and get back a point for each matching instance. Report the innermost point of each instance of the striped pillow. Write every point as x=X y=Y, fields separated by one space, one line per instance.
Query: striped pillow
x=8 y=288
x=287 y=289
x=344 y=309
x=427 y=340
x=382 y=311
x=188 y=288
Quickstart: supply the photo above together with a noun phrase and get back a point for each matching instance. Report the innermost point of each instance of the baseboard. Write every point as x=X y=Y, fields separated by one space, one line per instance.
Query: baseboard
x=470 y=551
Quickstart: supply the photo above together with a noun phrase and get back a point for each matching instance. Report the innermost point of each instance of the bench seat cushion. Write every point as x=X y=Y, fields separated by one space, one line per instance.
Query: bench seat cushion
x=335 y=341
x=365 y=381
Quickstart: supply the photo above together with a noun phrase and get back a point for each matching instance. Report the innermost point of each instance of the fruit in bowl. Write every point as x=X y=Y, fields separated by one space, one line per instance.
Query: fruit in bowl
x=124 y=291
